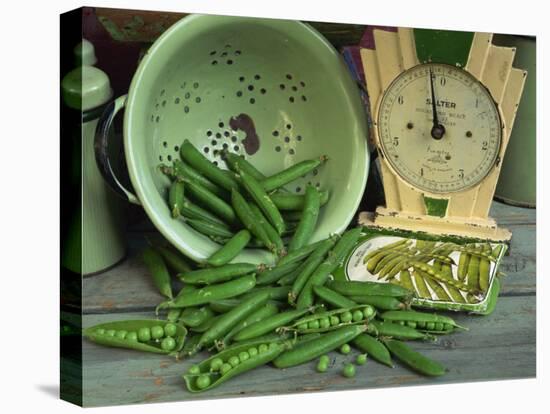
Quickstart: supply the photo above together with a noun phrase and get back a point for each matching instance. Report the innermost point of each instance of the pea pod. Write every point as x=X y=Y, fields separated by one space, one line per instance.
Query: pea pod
x=332 y=261
x=374 y=349
x=173 y=315
x=175 y=198
x=246 y=216
x=299 y=254
x=439 y=291
x=203 y=327
x=230 y=250
x=174 y=260
x=484 y=269
x=180 y=170
x=191 y=210
x=333 y=298
x=274 y=292
x=453 y=292
x=154 y=262
x=210 y=229
x=441 y=278
x=292 y=173
x=210 y=201
x=356 y=288
x=309 y=266
x=269 y=324
x=194 y=317
x=269 y=309
x=275 y=273
x=269 y=229
x=421 y=319
x=380 y=302
x=463 y=264
x=228 y=320
x=331 y=320
x=389 y=246
x=291 y=201
x=472 y=277
x=413 y=359
x=224 y=273
x=189 y=345
x=210 y=293
x=223 y=305
x=473 y=251
x=98 y=334
x=198 y=161
x=237 y=163
x=212 y=379
x=394 y=330
x=421 y=286
x=288 y=279
x=308 y=221
x=304 y=352
x=263 y=200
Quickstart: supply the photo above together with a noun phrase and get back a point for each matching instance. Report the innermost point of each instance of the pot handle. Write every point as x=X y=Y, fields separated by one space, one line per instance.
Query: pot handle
x=101 y=146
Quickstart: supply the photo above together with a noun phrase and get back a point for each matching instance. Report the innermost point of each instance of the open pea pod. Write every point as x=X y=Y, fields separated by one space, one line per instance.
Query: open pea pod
x=103 y=334
x=332 y=320
x=231 y=362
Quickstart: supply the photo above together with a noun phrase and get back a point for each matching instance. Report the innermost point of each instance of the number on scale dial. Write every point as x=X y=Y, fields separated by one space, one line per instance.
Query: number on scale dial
x=439 y=128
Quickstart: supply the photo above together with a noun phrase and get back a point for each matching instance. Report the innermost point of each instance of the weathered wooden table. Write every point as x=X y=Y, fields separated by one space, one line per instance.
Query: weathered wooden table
x=499 y=346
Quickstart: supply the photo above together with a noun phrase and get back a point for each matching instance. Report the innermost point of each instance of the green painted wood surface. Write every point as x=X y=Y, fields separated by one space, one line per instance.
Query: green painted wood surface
x=443 y=46
x=500 y=346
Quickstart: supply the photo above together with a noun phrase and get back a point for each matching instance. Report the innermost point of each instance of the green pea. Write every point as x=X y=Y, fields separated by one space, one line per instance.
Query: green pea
x=252 y=351
x=272 y=346
x=110 y=332
x=234 y=361
x=194 y=370
x=313 y=324
x=100 y=331
x=132 y=336
x=157 y=332
x=345 y=349
x=243 y=356
x=324 y=323
x=402 y=323
x=349 y=370
x=144 y=334
x=322 y=367
x=216 y=364
x=361 y=359
x=357 y=316
x=168 y=343
x=170 y=329
x=225 y=368
x=302 y=326
x=121 y=334
x=346 y=316
x=411 y=324
x=324 y=359
x=447 y=327
x=334 y=320
x=263 y=348
x=368 y=311
x=430 y=326
x=203 y=381
x=421 y=325
x=438 y=326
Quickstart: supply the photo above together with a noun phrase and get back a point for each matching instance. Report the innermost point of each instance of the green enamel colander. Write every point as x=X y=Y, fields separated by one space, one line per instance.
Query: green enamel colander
x=274 y=91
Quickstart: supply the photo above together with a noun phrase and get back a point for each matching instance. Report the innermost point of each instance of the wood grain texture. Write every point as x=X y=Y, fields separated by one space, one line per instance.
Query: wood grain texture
x=500 y=346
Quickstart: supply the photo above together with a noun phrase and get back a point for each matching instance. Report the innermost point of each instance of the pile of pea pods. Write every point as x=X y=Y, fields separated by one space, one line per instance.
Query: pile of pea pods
x=287 y=314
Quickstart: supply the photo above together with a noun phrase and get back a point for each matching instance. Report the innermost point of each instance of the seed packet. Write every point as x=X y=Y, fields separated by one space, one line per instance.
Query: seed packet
x=442 y=272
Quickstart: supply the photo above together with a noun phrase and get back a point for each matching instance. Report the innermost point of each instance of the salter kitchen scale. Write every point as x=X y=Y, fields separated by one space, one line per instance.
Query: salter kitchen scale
x=442 y=108
x=441 y=128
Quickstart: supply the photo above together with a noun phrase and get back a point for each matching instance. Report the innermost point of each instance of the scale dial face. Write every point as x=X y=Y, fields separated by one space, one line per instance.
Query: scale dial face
x=439 y=128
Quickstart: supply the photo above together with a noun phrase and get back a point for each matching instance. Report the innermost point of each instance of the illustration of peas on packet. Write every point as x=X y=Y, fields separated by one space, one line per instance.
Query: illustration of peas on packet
x=444 y=273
